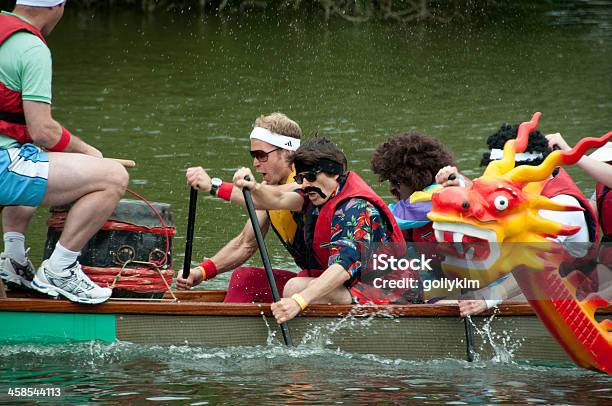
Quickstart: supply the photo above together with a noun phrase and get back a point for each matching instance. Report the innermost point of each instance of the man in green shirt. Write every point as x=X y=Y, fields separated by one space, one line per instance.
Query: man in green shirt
x=41 y=163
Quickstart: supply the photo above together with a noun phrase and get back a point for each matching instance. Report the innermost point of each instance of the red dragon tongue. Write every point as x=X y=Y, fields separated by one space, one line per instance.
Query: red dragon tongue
x=470 y=248
x=475 y=249
x=448 y=236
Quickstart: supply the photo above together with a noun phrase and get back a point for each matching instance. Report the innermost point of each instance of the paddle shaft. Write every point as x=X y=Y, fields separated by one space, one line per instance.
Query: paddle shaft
x=265 y=259
x=467 y=322
x=469 y=342
x=128 y=163
x=193 y=201
x=2 y=291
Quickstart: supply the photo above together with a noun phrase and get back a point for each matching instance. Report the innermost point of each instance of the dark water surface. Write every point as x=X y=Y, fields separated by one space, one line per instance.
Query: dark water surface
x=124 y=373
x=176 y=91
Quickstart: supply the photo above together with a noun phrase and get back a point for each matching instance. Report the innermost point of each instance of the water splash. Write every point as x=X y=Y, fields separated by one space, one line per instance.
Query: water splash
x=503 y=344
x=321 y=335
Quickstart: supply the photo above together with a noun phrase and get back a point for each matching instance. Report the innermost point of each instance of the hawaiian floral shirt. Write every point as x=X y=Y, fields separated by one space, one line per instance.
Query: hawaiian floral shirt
x=356 y=224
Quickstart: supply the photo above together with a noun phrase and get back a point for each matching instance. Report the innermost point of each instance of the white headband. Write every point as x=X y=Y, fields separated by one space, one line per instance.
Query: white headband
x=281 y=141
x=40 y=3
x=497 y=154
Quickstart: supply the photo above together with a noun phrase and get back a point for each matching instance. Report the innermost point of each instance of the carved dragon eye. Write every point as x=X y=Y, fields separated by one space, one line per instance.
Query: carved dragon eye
x=501 y=203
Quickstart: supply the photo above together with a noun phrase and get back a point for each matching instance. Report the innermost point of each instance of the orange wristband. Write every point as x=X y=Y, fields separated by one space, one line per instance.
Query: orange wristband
x=300 y=300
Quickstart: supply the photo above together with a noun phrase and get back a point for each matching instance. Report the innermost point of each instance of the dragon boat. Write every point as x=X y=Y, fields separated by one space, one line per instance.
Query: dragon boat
x=200 y=318
x=499 y=210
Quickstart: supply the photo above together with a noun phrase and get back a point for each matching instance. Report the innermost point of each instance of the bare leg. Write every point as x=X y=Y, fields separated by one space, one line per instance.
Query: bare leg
x=17 y=218
x=94 y=184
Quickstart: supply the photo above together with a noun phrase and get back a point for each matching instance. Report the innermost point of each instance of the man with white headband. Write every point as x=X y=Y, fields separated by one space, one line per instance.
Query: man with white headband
x=67 y=170
x=274 y=140
x=560 y=188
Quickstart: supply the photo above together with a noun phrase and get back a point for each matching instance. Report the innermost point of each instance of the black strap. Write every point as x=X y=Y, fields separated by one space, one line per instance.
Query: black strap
x=601 y=199
x=15 y=118
x=309 y=229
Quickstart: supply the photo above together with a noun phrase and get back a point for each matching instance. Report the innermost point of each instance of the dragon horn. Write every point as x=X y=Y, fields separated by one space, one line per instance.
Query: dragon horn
x=522 y=138
x=574 y=155
x=504 y=165
x=525 y=173
x=498 y=168
x=544 y=203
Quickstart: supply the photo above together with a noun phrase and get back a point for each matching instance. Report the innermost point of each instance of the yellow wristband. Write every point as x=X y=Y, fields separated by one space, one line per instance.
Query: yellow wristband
x=300 y=300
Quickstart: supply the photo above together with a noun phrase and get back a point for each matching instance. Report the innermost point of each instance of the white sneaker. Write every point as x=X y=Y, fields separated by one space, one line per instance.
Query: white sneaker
x=71 y=283
x=15 y=273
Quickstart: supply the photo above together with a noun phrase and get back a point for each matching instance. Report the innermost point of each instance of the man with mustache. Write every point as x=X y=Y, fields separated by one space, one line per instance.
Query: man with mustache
x=274 y=140
x=343 y=219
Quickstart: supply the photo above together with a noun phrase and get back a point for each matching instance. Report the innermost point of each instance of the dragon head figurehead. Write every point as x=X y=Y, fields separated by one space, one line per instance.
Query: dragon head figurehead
x=502 y=207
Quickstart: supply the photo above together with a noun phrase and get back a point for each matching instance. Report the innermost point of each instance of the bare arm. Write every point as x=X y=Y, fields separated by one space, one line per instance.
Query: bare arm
x=600 y=171
x=330 y=280
x=199 y=179
x=266 y=196
x=242 y=247
x=489 y=296
x=46 y=132
x=319 y=290
x=233 y=254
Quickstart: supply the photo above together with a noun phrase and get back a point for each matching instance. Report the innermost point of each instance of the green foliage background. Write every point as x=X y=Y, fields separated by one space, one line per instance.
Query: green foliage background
x=352 y=10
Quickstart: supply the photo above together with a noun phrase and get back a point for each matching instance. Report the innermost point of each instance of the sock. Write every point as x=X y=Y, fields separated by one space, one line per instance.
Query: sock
x=62 y=258
x=14 y=246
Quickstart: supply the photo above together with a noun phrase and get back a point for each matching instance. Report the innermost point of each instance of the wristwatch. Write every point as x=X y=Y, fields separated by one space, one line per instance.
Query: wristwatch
x=215 y=185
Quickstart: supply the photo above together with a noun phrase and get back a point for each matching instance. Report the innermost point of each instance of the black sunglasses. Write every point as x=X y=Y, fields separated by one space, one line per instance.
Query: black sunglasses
x=395 y=182
x=310 y=176
x=262 y=156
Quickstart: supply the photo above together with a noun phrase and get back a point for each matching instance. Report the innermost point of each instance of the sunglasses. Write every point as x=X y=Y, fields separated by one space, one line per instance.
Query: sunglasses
x=262 y=156
x=310 y=176
x=395 y=182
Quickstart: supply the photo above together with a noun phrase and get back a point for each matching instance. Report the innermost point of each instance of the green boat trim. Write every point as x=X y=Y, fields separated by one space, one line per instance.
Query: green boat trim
x=57 y=327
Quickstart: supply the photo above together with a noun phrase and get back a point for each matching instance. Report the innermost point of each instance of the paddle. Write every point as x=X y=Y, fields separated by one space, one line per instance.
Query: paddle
x=128 y=163
x=264 y=256
x=2 y=291
x=193 y=201
x=467 y=321
x=469 y=342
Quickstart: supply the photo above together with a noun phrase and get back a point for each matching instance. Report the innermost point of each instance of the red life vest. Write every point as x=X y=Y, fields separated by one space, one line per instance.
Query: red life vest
x=604 y=210
x=12 y=120
x=562 y=184
x=353 y=187
x=421 y=234
x=365 y=292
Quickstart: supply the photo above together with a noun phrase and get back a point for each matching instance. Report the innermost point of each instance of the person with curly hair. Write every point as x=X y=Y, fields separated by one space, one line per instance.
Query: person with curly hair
x=409 y=162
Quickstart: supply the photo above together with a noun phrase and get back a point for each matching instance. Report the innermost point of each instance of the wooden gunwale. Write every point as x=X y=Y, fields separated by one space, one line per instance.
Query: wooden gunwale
x=206 y=303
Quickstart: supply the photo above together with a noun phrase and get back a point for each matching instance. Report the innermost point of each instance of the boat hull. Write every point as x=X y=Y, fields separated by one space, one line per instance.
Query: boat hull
x=411 y=332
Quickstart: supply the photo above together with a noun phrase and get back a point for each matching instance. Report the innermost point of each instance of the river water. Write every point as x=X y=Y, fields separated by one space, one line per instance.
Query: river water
x=172 y=91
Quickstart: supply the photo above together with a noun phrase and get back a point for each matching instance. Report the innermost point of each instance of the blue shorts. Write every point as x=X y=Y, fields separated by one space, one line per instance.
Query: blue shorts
x=23 y=176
